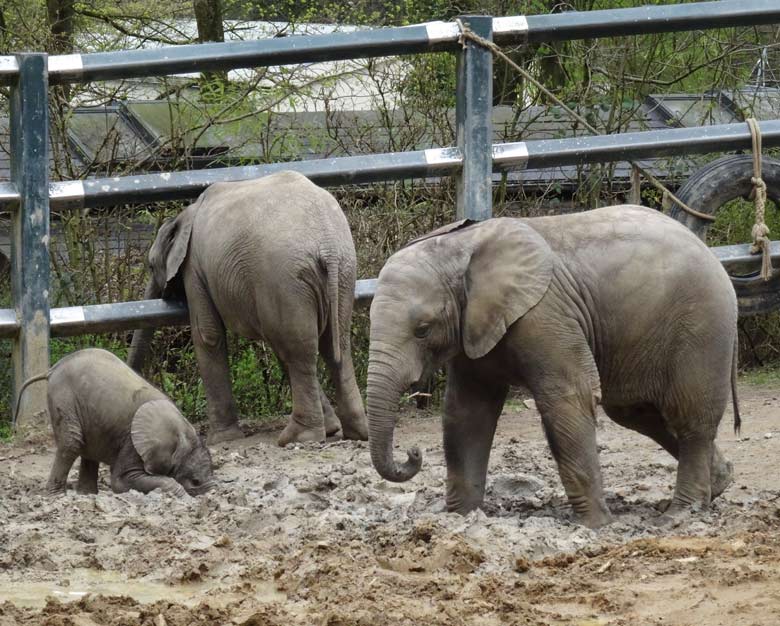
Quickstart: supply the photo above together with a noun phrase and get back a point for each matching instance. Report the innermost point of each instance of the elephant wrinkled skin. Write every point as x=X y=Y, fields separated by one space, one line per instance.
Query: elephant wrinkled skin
x=103 y=412
x=620 y=305
x=271 y=259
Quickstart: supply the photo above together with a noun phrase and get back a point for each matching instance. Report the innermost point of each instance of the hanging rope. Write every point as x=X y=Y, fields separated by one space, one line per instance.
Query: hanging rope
x=466 y=34
x=758 y=195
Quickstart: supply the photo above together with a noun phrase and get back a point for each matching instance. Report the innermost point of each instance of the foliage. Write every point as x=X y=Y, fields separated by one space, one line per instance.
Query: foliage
x=763 y=376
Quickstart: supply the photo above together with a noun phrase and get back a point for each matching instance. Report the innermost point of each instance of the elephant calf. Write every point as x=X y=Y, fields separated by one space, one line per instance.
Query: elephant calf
x=620 y=305
x=103 y=412
x=273 y=259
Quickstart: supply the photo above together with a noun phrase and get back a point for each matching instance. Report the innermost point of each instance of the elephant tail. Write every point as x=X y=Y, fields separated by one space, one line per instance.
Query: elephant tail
x=737 y=418
x=332 y=269
x=25 y=384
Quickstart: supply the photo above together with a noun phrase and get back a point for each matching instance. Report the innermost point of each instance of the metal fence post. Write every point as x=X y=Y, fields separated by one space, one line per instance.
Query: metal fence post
x=474 y=119
x=30 y=232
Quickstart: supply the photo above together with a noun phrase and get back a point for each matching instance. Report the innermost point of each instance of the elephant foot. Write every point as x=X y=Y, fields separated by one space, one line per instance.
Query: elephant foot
x=296 y=433
x=56 y=490
x=230 y=433
x=594 y=520
x=332 y=424
x=357 y=430
x=86 y=490
x=722 y=477
x=590 y=511
x=677 y=511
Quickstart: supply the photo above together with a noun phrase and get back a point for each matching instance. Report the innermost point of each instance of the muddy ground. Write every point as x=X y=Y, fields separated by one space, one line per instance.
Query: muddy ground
x=313 y=536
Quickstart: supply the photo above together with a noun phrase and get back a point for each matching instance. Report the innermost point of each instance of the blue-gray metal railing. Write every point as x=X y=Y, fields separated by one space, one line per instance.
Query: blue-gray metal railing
x=30 y=224
x=31 y=322
x=431 y=163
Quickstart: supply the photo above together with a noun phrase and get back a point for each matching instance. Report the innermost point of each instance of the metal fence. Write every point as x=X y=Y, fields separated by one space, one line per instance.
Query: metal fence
x=30 y=195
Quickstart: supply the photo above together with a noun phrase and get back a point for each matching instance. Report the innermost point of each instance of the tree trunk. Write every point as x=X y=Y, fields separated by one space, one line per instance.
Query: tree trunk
x=60 y=14
x=208 y=15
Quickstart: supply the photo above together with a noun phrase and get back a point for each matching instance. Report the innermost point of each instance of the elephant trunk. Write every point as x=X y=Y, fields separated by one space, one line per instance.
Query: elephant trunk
x=204 y=488
x=142 y=338
x=383 y=394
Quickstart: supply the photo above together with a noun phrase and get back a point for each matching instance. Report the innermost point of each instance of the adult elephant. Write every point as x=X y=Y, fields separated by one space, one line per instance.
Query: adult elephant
x=601 y=306
x=273 y=259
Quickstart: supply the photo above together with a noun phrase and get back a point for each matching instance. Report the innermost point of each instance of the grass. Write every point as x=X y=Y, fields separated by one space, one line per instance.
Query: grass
x=767 y=375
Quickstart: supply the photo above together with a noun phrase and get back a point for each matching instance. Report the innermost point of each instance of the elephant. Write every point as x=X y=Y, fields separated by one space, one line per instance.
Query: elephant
x=273 y=259
x=620 y=306
x=104 y=412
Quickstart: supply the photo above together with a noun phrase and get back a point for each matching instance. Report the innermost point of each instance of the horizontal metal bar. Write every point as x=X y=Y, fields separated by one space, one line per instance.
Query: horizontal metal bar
x=9 y=195
x=100 y=318
x=634 y=146
x=430 y=37
x=420 y=164
x=9 y=324
x=188 y=184
x=365 y=289
x=378 y=42
x=739 y=260
x=646 y=19
x=9 y=68
x=119 y=316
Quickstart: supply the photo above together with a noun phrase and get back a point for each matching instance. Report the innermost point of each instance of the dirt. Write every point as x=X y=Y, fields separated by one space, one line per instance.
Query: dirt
x=312 y=535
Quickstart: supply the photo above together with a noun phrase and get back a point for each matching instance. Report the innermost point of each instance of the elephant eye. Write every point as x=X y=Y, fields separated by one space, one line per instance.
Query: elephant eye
x=195 y=482
x=423 y=330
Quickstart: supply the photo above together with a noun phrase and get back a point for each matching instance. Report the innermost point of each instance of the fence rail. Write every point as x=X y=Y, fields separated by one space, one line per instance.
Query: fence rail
x=470 y=161
x=435 y=162
x=419 y=38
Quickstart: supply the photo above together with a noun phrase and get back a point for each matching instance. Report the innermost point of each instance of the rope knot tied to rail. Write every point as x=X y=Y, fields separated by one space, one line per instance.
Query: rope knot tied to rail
x=466 y=34
x=760 y=232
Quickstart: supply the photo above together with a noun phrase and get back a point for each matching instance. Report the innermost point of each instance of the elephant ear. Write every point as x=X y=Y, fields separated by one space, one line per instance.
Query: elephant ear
x=161 y=436
x=509 y=271
x=170 y=249
x=449 y=228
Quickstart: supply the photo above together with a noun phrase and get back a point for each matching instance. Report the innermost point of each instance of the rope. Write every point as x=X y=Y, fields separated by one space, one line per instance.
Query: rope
x=466 y=34
x=758 y=194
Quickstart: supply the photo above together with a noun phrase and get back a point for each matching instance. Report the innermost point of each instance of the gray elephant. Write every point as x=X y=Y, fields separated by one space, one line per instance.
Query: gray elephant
x=103 y=412
x=619 y=305
x=271 y=259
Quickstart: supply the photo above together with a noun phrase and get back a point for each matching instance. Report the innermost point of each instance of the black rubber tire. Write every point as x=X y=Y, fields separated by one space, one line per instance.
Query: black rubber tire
x=710 y=188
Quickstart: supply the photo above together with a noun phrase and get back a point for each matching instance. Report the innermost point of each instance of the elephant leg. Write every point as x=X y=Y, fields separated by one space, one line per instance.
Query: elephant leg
x=693 y=474
x=306 y=421
x=350 y=410
x=208 y=337
x=332 y=424
x=58 y=476
x=569 y=424
x=472 y=406
x=122 y=482
x=88 y=476
x=128 y=473
x=647 y=420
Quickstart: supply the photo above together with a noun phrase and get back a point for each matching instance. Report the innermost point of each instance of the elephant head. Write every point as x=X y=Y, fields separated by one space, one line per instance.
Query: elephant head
x=455 y=290
x=166 y=257
x=169 y=446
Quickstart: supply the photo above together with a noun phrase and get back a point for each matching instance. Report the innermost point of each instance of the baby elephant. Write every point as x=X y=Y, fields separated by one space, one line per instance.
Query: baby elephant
x=621 y=306
x=104 y=412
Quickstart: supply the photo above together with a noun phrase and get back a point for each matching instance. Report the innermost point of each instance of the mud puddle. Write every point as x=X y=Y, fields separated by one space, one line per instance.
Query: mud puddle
x=312 y=535
x=81 y=582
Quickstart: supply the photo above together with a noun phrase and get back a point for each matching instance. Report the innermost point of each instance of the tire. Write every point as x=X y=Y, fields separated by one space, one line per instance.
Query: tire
x=710 y=188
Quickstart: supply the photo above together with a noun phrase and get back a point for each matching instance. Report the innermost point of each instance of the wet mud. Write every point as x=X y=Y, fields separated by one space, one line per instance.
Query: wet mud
x=312 y=535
